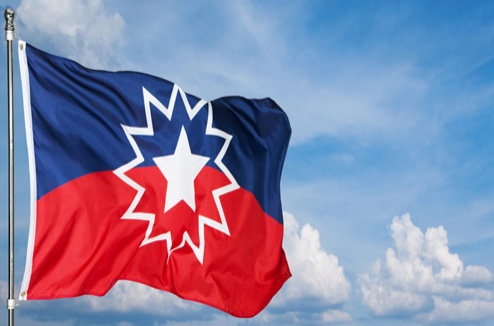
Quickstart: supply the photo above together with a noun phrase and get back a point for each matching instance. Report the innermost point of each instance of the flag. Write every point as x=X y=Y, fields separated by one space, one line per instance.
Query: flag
x=134 y=179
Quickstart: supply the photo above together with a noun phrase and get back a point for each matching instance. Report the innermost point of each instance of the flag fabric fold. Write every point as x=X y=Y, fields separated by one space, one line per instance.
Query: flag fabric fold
x=134 y=179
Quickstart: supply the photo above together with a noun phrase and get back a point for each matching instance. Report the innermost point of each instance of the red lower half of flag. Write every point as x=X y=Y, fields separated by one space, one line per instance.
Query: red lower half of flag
x=83 y=246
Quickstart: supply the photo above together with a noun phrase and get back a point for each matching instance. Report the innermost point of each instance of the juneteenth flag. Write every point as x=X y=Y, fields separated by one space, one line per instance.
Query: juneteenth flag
x=134 y=179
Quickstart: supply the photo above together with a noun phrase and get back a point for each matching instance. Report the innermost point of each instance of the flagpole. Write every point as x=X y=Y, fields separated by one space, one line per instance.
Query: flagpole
x=9 y=37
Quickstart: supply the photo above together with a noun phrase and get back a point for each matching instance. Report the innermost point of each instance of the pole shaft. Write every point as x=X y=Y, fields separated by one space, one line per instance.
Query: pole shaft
x=11 y=181
x=9 y=33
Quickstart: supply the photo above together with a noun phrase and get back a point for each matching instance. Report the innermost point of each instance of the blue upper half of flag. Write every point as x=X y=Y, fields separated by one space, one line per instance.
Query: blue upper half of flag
x=78 y=116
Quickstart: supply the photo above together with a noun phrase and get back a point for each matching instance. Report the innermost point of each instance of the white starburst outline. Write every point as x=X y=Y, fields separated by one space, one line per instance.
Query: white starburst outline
x=131 y=131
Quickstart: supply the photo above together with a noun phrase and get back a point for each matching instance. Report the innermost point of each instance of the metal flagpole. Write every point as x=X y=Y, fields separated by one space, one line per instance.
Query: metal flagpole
x=9 y=37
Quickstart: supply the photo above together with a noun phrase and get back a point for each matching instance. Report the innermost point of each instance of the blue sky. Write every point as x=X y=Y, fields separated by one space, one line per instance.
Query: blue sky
x=388 y=185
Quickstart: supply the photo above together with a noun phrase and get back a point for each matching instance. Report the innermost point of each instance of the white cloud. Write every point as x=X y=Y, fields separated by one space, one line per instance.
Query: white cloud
x=318 y=281
x=80 y=29
x=460 y=312
x=294 y=317
x=130 y=296
x=473 y=275
x=316 y=274
x=336 y=316
x=4 y=289
x=421 y=278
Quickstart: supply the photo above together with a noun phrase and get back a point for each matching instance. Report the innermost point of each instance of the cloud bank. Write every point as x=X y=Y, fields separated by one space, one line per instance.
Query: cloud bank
x=421 y=279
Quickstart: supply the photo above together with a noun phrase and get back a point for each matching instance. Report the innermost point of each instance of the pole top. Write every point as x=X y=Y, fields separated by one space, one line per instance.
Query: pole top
x=9 y=19
x=9 y=24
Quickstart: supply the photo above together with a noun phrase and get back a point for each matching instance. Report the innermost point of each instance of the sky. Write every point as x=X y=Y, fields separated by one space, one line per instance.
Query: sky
x=388 y=183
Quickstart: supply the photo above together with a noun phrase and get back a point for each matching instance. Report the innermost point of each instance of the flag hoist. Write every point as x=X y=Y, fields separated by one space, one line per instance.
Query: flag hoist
x=9 y=37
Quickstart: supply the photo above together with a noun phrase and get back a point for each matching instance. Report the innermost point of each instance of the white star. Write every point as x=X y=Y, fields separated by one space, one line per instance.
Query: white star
x=148 y=130
x=180 y=171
